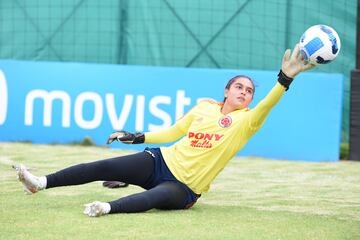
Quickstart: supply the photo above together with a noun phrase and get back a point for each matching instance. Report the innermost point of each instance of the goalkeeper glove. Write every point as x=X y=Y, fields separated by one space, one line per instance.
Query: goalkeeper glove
x=126 y=137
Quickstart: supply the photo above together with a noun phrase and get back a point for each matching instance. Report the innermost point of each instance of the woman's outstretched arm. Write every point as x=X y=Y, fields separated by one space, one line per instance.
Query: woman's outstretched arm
x=292 y=65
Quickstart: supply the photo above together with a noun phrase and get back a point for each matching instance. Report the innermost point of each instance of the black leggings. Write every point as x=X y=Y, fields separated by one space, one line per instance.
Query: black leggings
x=133 y=169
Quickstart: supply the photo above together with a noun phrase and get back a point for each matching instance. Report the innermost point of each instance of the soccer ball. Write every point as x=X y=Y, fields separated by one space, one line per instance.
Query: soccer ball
x=320 y=44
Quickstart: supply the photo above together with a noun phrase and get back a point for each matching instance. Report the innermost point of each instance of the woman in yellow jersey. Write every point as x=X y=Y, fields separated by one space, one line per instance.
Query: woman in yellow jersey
x=175 y=177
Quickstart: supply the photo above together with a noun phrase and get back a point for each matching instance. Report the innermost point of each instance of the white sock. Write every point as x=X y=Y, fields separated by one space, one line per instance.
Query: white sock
x=43 y=182
x=39 y=182
x=107 y=207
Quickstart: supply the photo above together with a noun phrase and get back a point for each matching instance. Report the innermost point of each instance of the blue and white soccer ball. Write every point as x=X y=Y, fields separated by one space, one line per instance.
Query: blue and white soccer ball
x=320 y=44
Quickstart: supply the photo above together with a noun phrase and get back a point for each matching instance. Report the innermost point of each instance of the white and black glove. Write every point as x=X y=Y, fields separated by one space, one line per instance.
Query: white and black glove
x=126 y=137
x=292 y=65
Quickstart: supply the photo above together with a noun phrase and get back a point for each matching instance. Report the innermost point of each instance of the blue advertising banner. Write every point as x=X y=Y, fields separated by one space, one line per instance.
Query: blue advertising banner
x=48 y=102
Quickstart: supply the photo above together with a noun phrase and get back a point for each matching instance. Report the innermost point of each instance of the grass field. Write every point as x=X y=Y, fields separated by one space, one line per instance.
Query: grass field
x=251 y=199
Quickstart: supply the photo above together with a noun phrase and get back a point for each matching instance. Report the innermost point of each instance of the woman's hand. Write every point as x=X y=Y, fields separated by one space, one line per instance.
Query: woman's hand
x=293 y=64
x=126 y=137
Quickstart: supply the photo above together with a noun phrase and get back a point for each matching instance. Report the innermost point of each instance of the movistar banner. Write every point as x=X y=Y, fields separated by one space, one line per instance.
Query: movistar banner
x=47 y=102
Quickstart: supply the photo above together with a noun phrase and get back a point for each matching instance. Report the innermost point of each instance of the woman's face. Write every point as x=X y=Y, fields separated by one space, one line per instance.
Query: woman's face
x=240 y=93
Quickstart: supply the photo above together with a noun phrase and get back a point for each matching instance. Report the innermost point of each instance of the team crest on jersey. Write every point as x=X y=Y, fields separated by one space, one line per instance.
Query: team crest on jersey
x=225 y=121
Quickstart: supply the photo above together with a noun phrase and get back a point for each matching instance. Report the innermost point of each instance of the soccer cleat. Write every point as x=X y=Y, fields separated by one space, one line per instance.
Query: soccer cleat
x=32 y=184
x=97 y=209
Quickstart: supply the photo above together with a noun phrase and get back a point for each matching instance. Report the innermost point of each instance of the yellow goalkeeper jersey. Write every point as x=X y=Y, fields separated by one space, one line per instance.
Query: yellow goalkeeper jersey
x=211 y=139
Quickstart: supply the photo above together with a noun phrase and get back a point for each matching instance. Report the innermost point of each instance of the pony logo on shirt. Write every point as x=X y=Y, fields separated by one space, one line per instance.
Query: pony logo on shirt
x=203 y=140
x=225 y=121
